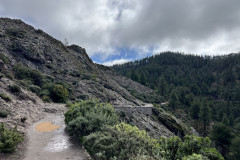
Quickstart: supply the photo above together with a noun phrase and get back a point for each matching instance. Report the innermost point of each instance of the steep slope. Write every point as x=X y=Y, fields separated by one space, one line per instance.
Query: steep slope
x=23 y=44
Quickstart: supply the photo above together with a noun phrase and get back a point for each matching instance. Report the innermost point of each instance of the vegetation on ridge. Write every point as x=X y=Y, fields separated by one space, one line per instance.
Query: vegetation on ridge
x=97 y=126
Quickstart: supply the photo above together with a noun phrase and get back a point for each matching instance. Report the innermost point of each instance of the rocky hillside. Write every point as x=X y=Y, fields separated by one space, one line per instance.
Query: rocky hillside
x=34 y=62
x=22 y=44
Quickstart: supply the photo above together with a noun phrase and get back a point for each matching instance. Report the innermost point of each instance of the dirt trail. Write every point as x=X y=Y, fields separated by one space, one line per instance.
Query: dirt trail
x=54 y=145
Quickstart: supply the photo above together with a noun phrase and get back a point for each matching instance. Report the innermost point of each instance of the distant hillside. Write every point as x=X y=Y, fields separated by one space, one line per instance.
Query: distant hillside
x=190 y=78
x=202 y=90
x=213 y=76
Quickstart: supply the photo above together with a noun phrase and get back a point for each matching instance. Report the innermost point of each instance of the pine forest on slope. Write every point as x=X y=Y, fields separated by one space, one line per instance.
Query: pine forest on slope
x=206 y=88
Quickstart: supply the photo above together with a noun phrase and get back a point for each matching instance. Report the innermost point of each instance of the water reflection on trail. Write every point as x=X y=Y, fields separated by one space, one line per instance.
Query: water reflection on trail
x=58 y=144
x=53 y=145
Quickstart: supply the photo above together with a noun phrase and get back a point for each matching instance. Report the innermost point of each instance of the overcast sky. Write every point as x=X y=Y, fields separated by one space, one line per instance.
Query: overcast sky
x=116 y=31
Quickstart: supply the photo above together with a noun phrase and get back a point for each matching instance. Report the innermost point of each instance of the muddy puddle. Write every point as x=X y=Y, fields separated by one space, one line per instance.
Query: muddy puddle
x=46 y=127
x=48 y=140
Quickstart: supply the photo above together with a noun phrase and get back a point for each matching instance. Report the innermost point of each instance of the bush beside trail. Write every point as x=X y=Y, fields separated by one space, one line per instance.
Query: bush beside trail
x=97 y=127
x=9 y=139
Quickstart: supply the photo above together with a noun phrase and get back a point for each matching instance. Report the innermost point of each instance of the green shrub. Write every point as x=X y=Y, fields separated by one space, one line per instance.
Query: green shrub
x=141 y=156
x=50 y=79
x=121 y=141
x=68 y=104
x=124 y=141
x=92 y=105
x=59 y=93
x=9 y=139
x=4 y=58
x=212 y=154
x=122 y=114
x=9 y=75
x=46 y=98
x=86 y=76
x=175 y=148
x=25 y=83
x=5 y=97
x=15 y=33
x=23 y=72
x=75 y=74
x=89 y=116
x=170 y=147
x=45 y=92
x=35 y=89
x=193 y=144
x=193 y=157
x=92 y=123
x=43 y=85
x=3 y=114
x=15 y=88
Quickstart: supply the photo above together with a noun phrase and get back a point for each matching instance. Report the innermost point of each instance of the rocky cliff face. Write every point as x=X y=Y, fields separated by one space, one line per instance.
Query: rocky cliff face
x=21 y=43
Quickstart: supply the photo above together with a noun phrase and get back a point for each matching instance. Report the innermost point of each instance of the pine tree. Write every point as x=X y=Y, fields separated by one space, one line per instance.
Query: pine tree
x=220 y=115
x=173 y=102
x=205 y=115
x=225 y=120
x=143 y=79
x=134 y=76
x=235 y=148
x=221 y=135
x=162 y=85
x=195 y=109
x=231 y=120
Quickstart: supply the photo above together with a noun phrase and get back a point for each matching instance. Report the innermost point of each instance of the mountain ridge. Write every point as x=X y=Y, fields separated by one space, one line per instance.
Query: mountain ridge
x=23 y=44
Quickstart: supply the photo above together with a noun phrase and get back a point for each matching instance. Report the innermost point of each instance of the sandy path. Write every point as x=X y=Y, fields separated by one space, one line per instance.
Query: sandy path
x=55 y=145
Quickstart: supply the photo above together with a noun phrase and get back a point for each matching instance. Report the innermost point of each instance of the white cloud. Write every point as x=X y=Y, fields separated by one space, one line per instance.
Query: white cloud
x=117 y=61
x=219 y=44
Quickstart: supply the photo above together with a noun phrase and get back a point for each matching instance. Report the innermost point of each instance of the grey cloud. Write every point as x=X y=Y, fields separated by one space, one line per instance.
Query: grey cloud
x=197 y=26
x=176 y=19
